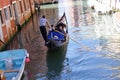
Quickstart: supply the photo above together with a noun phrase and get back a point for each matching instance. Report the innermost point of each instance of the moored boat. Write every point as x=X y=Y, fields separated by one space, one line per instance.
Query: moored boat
x=12 y=64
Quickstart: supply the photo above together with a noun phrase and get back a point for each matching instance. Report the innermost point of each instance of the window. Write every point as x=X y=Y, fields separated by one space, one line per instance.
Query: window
x=10 y=11
x=1 y=18
x=15 y=10
x=28 y=4
x=24 y=5
x=6 y=13
x=21 y=7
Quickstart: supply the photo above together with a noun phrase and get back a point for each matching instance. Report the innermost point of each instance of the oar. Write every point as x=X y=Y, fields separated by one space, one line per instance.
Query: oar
x=8 y=71
x=85 y=47
x=60 y=32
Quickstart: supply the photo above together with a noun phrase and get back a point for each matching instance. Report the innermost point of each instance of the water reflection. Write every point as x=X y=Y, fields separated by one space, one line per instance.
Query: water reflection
x=55 y=61
x=51 y=12
x=93 y=54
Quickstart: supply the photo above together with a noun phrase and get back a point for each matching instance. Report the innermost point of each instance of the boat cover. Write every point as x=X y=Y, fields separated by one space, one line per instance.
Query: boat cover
x=54 y=35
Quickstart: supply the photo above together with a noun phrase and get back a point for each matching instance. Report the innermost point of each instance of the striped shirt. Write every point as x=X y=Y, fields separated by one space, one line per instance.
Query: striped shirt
x=43 y=21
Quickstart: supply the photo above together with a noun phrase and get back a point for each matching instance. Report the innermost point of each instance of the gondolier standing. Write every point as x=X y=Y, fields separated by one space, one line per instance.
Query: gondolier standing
x=43 y=24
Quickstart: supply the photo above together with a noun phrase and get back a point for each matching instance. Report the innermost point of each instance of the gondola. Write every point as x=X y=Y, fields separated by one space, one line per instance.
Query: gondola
x=57 y=38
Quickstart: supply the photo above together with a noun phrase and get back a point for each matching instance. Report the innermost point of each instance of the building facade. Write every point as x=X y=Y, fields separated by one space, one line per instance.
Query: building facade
x=13 y=13
x=114 y=4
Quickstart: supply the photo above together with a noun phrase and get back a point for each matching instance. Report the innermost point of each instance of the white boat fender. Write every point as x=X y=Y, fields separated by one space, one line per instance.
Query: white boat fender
x=27 y=55
x=27 y=58
x=13 y=78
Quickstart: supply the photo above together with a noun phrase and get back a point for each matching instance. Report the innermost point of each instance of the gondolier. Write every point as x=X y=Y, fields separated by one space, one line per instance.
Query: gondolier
x=43 y=21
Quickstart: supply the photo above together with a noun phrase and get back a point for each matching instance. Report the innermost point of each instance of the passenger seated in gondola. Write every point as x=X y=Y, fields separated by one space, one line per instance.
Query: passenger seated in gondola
x=58 y=33
x=60 y=27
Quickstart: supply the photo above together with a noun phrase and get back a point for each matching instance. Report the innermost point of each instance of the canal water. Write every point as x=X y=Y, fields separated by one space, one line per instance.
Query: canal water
x=93 y=51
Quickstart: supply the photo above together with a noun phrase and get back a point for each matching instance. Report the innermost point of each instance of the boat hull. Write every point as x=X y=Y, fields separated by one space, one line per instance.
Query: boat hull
x=12 y=63
x=57 y=43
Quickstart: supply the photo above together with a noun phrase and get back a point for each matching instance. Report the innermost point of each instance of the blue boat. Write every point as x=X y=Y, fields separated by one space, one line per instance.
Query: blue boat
x=12 y=64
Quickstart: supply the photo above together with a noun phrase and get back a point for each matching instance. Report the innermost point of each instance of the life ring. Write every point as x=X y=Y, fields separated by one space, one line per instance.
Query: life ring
x=2 y=77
